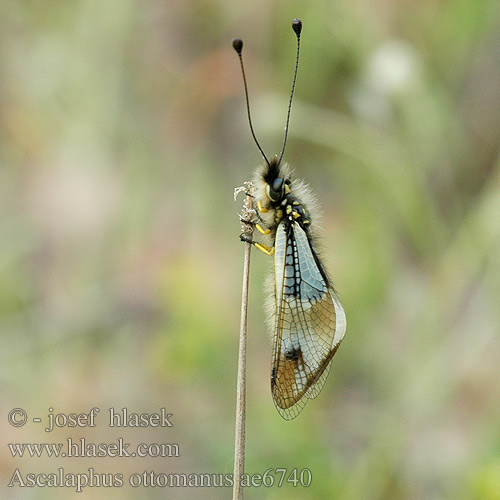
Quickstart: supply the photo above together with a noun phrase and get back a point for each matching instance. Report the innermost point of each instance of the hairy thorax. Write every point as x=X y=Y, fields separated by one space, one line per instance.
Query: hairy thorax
x=288 y=208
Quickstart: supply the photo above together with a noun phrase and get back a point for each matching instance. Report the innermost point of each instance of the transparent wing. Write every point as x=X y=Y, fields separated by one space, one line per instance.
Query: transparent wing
x=310 y=323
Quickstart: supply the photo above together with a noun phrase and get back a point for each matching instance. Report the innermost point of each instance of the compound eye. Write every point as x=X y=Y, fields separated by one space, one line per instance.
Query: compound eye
x=278 y=184
x=276 y=189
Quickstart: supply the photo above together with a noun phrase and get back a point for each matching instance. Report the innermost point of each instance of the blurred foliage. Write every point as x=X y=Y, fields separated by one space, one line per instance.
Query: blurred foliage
x=123 y=134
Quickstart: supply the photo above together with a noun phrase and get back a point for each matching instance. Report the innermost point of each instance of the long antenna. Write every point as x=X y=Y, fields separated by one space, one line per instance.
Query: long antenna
x=238 y=46
x=297 y=27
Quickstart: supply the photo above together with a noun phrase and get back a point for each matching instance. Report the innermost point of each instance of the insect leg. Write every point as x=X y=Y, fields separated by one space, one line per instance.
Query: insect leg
x=263 y=248
x=261 y=208
x=247 y=222
x=263 y=231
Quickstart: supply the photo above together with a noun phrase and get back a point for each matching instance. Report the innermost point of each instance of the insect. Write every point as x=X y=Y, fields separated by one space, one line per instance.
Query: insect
x=306 y=316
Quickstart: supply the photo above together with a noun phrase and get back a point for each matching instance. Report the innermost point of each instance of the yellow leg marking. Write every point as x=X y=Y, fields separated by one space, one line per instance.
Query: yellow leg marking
x=263 y=231
x=261 y=208
x=264 y=248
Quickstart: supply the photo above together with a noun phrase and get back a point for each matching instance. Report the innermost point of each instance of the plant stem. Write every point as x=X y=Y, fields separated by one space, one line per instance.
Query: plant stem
x=239 y=439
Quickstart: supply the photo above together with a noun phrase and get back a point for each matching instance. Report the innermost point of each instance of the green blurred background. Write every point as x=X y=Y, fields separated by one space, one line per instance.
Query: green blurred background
x=122 y=135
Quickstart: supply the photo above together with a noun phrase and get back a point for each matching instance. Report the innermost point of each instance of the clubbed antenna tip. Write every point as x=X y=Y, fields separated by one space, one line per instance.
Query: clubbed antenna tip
x=297 y=26
x=238 y=45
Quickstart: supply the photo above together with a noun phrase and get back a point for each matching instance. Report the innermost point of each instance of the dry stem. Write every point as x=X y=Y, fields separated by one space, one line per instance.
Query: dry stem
x=246 y=217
